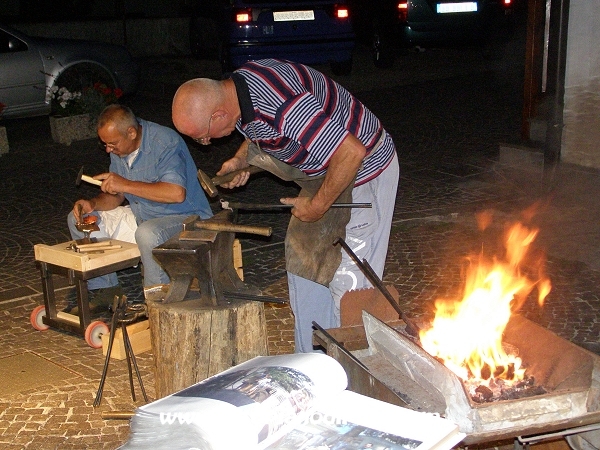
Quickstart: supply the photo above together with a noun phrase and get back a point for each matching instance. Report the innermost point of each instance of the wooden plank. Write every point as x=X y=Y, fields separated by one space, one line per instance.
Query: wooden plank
x=536 y=18
x=133 y=328
x=139 y=337
x=59 y=255
x=237 y=258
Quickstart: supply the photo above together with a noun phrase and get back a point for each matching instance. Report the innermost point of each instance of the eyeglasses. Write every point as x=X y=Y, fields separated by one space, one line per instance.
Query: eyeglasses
x=205 y=140
x=110 y=147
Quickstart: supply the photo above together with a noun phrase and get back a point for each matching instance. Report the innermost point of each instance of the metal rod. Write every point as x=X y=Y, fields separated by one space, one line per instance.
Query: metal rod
x=339 y=345
x=265 y=206
x=111 y=339
x=411 y=327
x=117 y=415
x=254 y=297
x=130 y=353
x=542 y=437
x=127 y=356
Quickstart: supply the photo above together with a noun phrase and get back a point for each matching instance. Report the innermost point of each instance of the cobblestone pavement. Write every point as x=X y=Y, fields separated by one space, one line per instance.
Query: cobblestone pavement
x=455 y=118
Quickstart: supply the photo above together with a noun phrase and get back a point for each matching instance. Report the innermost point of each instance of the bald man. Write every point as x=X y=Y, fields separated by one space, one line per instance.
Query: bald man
x=302 y=126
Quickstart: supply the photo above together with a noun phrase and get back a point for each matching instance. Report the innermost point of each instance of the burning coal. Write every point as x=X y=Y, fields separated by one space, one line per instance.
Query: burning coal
x=466 y=334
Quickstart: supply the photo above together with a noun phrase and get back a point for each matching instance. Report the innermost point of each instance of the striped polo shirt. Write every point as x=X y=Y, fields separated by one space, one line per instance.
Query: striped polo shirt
x=300 y=116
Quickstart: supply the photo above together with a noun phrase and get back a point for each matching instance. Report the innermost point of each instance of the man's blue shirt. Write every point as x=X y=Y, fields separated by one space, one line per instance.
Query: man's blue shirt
x=163 y=156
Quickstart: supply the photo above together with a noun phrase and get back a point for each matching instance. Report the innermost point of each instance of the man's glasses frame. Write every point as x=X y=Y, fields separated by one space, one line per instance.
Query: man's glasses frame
x=205 y=140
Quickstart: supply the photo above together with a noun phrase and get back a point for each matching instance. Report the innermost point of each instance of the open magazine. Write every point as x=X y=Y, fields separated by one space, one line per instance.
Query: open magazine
x=294 y=401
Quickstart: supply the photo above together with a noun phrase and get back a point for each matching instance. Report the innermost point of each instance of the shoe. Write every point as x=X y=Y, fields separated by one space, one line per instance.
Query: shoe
x=95 y=309
x=70 y=308
x=106 y=296
x=71 y=299
x=100 y=300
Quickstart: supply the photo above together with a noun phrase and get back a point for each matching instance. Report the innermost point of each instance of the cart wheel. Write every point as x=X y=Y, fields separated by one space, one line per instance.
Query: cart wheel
x=36 y=318
x=94 y=332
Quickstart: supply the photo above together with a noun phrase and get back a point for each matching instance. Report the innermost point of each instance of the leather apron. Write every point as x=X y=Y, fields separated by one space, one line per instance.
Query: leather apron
x=309 y=249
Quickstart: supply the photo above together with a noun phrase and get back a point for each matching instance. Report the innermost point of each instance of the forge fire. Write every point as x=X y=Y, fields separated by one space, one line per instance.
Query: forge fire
x=466 y=334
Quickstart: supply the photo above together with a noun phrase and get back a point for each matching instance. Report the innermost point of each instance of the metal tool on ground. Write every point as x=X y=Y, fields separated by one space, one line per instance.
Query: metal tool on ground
x=81 y=177
x=411 y=328
x=123 y=315
x=275 y=206
x=210 y=184
x=117 y=415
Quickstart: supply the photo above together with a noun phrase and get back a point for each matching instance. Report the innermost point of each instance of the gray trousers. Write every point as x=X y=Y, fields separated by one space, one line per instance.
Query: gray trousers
x=367 y=234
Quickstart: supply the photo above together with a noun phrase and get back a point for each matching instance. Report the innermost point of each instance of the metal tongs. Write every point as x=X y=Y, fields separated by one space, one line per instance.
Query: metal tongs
x=411 y=327
x=123 y=315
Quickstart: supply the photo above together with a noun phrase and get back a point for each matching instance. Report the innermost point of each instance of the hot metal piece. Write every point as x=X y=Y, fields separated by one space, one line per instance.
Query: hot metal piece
x=87 y=226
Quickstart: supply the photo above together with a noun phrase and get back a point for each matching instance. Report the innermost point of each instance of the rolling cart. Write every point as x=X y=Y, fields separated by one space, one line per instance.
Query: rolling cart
x=78 y=263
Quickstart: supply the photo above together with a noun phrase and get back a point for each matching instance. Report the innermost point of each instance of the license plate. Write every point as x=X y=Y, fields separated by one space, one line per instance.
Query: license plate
x=445 y=8
x=288 y=16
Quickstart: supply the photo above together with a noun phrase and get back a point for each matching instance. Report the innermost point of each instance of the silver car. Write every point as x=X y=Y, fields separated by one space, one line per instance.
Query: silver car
x=29 y=66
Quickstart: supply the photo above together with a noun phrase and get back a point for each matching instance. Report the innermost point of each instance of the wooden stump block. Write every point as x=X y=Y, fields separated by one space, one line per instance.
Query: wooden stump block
x=191 y=341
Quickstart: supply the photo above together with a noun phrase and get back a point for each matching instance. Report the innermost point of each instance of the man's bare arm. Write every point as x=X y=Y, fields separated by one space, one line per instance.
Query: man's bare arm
x=158 y=192
x=342 y=170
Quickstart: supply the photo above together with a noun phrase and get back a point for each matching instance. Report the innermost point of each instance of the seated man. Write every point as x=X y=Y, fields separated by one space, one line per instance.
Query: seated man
x=151 y=167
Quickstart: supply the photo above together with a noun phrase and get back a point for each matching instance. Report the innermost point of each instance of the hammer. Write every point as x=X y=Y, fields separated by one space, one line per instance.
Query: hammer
x=210 y=184
x=81 y=177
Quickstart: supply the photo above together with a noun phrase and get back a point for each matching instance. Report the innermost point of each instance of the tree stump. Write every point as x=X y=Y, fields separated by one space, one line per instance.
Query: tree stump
x=192 y=341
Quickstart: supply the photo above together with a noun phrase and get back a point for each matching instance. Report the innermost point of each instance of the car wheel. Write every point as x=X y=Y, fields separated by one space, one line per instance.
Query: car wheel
x=342 y=67
x=80 y=76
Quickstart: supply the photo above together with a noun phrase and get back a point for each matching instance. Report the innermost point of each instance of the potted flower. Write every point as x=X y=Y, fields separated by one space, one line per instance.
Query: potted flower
x=3 y=137
x=73 y=114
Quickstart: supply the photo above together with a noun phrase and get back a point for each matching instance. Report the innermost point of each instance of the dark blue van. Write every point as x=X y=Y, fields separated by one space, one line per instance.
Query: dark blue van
x=309 y=32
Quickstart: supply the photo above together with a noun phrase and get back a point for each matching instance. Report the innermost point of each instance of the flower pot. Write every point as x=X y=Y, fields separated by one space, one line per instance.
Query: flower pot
x=72 y=128
x=3 y=141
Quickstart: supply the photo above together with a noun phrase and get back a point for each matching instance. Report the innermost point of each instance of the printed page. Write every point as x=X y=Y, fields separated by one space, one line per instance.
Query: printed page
x=243 y=406
x=355 y=421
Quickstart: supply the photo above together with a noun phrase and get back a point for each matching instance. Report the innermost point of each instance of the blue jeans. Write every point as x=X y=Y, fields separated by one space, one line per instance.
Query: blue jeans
x=367 y=234
x=148 y=235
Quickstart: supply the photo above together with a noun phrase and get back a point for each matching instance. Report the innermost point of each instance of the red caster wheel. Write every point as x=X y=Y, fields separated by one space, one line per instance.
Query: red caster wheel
x=36 y=318
x=94 y=332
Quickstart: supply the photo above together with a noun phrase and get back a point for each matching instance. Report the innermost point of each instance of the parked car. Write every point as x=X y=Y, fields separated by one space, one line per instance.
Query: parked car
x=31 y=66
x=389 y=24
x=309 y=32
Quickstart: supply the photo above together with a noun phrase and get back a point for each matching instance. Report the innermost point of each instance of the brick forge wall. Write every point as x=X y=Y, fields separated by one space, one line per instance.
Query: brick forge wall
x=581 y=115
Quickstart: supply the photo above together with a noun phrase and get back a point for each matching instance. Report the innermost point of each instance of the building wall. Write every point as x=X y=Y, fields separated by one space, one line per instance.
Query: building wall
x=581 y=115
x=142 y=37
x=62 y=10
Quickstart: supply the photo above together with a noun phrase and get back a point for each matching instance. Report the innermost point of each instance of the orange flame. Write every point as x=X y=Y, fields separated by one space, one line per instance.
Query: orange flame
x=467 y=334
